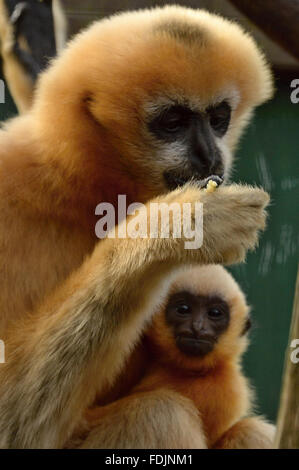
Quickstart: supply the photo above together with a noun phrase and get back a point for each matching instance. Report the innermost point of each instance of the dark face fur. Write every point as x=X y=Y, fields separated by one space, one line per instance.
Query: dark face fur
x=197 y=321
x=195 y=133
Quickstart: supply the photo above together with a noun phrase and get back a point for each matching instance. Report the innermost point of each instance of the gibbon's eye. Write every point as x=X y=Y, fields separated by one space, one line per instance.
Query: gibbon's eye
x=220 y=118
x=180 y=307
x=183 y=309
x=174 y=119
x=215 y=313
x=171 y=122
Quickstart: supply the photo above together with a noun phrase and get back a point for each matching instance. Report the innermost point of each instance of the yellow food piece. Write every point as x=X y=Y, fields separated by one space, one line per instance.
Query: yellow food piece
x=211 y=186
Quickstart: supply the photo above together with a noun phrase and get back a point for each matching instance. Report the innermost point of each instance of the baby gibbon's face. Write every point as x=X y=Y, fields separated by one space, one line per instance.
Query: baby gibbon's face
x=203 y=321
x=197 y=321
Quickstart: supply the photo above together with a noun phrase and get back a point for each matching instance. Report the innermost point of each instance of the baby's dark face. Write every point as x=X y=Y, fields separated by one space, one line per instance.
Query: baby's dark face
x=197 y=321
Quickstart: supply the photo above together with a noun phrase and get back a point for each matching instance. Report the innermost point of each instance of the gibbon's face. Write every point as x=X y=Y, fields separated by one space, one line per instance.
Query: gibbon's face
x=192 y=136
x=198 y=321
x=158 y=96
x=203 y=321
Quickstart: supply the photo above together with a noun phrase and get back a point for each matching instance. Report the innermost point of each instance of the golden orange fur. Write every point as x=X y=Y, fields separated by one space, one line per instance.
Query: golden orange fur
x=72 y=307
x=214 y=384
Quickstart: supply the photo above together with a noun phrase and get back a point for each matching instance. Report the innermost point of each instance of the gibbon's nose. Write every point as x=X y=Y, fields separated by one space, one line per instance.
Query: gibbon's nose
x=201 y=329
x=205 y=156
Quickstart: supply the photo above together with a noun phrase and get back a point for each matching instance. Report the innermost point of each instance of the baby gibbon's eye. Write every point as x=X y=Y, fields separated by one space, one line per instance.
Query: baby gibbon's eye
x=215 y=313
x=183 y=309
x=220 y=118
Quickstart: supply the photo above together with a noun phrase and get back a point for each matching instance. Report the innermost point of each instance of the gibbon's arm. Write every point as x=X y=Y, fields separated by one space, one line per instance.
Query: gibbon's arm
x=25 y=49
x=78 y=340
x=249 y=433
x=19 y=80
x=158 y=419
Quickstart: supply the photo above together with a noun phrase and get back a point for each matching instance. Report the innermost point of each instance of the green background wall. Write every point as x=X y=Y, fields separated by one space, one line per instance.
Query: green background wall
x=268 y=156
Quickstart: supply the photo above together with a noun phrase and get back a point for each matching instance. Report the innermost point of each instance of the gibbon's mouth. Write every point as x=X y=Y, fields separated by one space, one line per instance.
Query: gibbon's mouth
x=194 y=346
x=174 y=180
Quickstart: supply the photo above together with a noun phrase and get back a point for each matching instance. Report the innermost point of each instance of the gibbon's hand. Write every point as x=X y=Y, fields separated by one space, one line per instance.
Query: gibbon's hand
x=232 y=218
x=248 y=433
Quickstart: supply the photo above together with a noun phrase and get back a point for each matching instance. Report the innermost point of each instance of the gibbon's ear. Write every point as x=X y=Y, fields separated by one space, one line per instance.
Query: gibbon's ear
x=247 y=326
x=88 y=103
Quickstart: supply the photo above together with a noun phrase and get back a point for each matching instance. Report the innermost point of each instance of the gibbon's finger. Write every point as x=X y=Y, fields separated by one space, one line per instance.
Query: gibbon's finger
x=253 y=196
x=241 y=195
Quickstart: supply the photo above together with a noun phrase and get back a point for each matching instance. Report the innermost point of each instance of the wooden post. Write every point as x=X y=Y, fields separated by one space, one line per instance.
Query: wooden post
x=287 y=435
x=278 y=19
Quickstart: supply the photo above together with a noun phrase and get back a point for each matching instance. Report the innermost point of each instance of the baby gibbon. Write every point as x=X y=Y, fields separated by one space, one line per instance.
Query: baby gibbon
x=197 y=341
x=195 y=344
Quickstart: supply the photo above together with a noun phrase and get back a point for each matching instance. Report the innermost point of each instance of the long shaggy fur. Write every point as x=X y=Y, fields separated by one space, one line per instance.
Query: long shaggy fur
x=72 y=309
x=213 y=398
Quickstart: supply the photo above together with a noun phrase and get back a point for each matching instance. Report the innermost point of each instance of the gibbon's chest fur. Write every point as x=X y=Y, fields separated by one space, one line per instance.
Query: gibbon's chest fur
x=36 y=257
x=221 y=396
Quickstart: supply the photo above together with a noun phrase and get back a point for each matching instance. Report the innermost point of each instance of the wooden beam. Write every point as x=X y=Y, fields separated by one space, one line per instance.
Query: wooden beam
x=287 y=435
x=278 y=19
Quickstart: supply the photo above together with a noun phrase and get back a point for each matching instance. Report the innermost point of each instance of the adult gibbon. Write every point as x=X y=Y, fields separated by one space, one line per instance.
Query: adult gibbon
x=195 y=343
x=140 y=104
